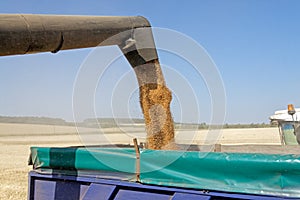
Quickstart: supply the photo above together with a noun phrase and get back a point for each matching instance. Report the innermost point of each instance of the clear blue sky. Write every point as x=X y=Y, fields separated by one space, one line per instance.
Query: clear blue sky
x=255 y=45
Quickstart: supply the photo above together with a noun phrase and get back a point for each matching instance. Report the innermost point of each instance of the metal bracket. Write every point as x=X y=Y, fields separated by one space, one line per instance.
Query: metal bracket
x=138 y=163
x=60 y=44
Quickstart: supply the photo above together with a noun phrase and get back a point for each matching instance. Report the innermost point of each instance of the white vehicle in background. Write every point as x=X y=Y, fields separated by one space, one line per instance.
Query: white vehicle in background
x=289 y=125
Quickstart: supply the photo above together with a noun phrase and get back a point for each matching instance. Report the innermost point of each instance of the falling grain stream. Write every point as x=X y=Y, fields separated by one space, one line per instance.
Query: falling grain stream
x=155 y=99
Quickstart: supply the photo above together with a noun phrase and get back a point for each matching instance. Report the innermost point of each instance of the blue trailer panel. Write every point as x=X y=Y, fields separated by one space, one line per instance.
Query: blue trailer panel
x=62 y=187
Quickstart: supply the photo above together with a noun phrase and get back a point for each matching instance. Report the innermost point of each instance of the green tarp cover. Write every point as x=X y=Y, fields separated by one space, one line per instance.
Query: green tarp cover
x=71 y=158
x=229 y=172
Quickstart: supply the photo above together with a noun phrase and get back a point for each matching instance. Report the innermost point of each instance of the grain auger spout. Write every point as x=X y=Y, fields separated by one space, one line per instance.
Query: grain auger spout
x=26 y=34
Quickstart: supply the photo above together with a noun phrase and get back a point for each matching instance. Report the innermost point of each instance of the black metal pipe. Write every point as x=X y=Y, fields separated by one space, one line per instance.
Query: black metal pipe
x=28 y=33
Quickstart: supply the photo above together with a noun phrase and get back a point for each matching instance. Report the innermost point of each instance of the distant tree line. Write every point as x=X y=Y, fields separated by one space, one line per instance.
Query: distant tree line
x=252 y=125
x=34 y=120
x=111 y=122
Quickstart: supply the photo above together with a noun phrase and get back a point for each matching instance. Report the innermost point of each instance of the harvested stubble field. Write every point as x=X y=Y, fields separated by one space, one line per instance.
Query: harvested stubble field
x=16 y=140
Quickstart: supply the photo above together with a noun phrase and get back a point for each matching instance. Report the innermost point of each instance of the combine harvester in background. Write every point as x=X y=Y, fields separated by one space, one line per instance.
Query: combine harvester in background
x=288 y=122
x=132 y=172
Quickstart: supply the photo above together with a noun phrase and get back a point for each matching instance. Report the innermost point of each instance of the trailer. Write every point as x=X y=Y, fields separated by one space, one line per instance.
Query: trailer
x=120 y=173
